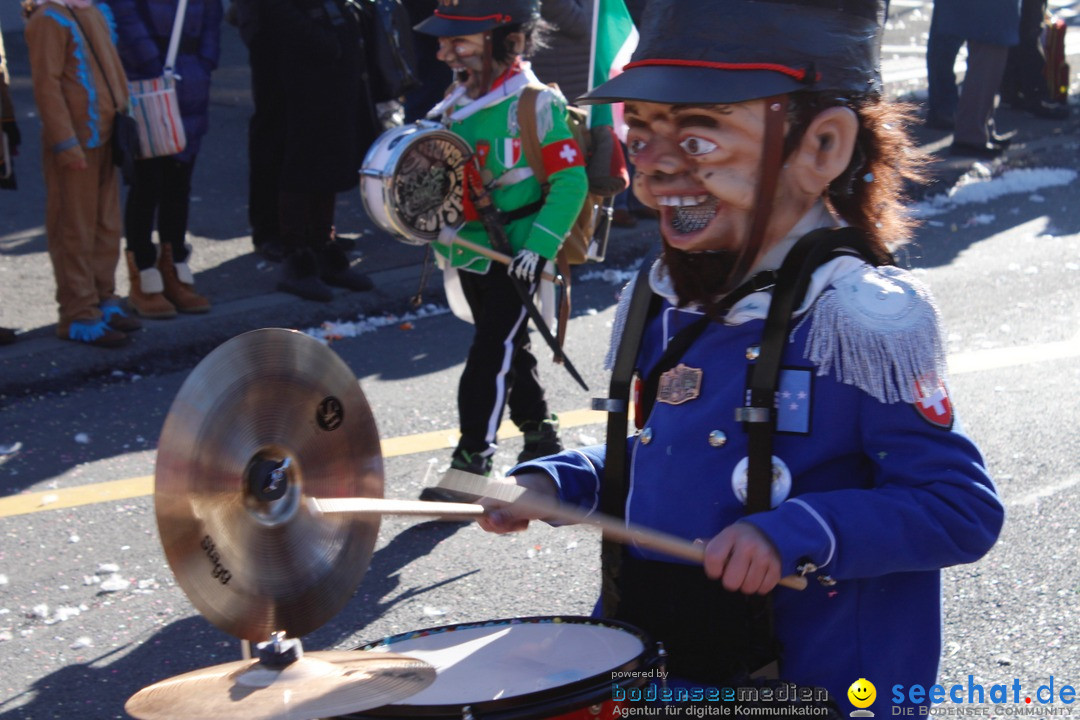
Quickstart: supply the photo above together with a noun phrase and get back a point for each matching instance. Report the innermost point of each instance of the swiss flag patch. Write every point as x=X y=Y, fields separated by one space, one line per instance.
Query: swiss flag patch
x=932 y=403
x=561 y=155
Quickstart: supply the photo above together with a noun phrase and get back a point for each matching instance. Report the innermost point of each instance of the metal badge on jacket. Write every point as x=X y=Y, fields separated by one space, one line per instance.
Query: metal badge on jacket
x=678 y=385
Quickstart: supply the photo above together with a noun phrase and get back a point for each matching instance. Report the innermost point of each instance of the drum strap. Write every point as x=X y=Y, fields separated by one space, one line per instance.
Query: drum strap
x=522 y=212
x=644 y=303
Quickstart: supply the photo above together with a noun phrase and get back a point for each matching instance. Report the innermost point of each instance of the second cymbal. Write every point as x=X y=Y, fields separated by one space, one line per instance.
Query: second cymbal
x=318 y=685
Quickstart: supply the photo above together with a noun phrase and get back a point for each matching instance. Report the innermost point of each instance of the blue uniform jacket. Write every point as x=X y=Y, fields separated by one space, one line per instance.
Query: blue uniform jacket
x=877 y=486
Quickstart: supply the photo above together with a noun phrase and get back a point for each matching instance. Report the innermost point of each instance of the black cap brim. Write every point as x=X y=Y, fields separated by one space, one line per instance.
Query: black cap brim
x=691 y=85
x=444 y=27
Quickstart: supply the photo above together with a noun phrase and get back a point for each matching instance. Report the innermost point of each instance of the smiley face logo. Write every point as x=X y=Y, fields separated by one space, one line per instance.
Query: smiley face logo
x=862 y=693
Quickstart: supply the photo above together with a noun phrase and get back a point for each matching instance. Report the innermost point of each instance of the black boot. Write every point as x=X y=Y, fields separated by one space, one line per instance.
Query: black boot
x=474 y=463
x=541 y=439
x=300 y=277
x=335 y=270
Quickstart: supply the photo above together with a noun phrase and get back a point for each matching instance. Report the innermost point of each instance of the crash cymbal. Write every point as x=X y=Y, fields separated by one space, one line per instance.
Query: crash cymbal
x=319 y=685
x=265 y=420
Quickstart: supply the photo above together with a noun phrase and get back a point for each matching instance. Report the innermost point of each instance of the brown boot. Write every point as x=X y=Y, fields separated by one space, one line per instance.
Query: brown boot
x=145 y=291
x=180 y=283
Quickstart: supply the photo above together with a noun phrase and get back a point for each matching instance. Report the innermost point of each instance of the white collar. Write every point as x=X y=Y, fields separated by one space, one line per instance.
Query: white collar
x=466 y=106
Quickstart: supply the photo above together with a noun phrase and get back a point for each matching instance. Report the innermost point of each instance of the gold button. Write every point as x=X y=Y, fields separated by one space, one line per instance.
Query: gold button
x=753 y=352
x=717 y=439
x=646 y=436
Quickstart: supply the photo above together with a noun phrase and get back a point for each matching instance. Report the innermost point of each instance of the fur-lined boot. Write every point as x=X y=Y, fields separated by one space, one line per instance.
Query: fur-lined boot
x=145 y=291
x=180 y=283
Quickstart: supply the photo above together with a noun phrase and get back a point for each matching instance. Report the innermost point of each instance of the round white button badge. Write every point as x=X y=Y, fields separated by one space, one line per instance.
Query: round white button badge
x=781 y=481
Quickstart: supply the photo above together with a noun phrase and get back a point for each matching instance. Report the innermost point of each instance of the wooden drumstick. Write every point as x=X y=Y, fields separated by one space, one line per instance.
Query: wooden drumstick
x=615 y=528
x=551 y=510
x=452 y=238
x=382 y=506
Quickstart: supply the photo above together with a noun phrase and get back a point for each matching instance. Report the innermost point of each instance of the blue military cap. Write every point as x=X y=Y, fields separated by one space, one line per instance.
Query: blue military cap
x=729 y=51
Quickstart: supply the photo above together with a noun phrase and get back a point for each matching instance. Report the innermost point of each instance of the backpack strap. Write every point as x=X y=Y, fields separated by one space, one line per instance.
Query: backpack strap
x=530 y=147
x=530 y=137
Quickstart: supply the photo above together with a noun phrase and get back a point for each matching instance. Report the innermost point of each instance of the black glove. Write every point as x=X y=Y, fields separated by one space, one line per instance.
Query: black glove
x=526 y=266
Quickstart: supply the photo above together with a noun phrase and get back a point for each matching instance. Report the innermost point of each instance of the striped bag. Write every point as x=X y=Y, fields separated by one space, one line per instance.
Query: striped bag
x=157 y=113
x=154 y=105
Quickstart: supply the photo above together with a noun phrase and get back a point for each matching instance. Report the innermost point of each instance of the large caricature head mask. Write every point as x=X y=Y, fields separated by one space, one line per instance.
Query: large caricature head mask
x=707 y=97
x=466 y=28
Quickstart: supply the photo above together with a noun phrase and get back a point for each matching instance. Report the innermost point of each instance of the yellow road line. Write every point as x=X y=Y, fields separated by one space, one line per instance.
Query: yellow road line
x=27 y=503
x=961 y=363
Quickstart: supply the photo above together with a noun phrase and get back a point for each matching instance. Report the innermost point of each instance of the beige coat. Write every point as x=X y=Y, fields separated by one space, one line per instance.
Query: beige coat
x=71 y=88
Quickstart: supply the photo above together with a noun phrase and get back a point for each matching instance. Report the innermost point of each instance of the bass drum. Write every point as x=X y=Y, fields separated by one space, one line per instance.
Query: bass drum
x=413 y=181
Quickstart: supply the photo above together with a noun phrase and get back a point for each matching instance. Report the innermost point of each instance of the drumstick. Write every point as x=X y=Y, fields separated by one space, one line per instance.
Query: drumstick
x=488 y=253
x=461 y=481
x=667 y=544
x=382 y=506
x=615 y=528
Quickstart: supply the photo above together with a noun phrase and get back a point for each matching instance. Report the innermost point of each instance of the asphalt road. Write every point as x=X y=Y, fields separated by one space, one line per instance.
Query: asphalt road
x=90 y=612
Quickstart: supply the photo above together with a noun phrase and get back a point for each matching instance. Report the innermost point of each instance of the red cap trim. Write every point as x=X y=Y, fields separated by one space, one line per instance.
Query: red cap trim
x=798 y=74
x=498 y=17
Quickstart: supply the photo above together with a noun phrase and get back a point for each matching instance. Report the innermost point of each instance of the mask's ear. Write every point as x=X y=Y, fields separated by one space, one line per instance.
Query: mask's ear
x=825 y=150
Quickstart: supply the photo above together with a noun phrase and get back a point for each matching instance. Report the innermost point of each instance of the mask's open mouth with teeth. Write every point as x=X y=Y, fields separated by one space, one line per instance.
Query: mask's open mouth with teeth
x=690 y=213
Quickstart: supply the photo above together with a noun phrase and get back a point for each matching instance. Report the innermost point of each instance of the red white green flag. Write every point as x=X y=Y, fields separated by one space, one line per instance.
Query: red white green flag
x=614 y=38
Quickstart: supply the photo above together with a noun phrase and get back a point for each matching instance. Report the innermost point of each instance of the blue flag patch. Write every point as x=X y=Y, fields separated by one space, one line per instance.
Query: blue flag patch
x=793 y=398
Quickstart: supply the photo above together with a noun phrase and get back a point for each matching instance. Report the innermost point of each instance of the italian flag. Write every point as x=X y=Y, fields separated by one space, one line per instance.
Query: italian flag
x=614 y=38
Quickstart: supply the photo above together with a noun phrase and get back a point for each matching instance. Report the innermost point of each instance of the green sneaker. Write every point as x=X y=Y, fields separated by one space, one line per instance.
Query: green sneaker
x=541 y=438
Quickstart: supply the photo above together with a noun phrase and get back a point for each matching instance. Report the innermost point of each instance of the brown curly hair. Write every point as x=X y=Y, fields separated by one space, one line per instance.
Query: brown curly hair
x=870 y=193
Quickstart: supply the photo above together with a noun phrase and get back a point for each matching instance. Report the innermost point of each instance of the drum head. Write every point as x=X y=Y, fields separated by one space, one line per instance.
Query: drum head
x=414 y=182
x=516 y=668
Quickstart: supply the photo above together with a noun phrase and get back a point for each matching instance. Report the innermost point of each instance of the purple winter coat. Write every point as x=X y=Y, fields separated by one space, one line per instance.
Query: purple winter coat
x=143 y=29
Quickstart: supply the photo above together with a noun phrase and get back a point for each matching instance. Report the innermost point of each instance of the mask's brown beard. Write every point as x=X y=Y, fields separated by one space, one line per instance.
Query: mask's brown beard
x=699 y=278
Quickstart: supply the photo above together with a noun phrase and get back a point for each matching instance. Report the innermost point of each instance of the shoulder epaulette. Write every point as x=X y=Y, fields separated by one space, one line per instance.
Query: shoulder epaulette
x=879 y=330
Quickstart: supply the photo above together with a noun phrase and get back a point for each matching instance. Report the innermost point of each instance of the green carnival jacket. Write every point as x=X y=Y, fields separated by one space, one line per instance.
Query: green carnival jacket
x=495 y=135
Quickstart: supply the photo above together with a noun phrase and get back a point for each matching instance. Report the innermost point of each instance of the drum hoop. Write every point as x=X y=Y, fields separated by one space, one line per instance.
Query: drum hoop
x=387 y=176
x=595 y=688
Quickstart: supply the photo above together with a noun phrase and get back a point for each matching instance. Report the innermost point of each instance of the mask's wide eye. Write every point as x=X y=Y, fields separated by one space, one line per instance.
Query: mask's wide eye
x=697 y=146
x=635 y=145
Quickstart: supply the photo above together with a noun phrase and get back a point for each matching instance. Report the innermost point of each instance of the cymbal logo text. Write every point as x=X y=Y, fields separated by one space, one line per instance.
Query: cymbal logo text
x=219 y=570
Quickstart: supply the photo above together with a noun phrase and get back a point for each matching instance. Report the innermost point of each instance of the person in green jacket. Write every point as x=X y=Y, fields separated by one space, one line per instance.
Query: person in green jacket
x=485 y=43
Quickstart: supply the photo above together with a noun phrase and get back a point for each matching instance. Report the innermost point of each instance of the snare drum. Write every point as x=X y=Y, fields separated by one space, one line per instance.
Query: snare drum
x=521 y=668
x=412 y=181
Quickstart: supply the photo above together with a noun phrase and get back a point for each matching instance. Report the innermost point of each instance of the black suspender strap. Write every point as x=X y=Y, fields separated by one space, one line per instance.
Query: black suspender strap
x=613 y=487
x=793 y=279
x=811 y=251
